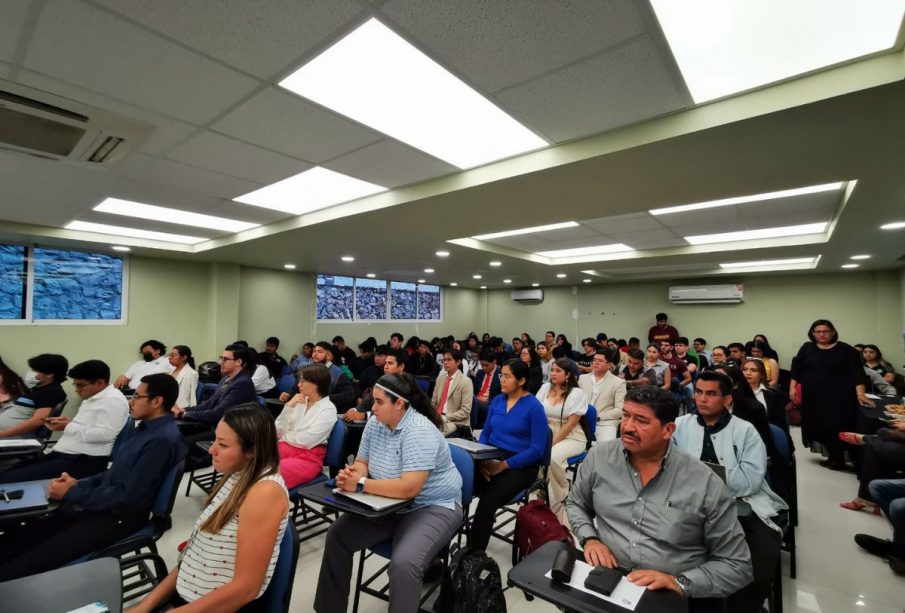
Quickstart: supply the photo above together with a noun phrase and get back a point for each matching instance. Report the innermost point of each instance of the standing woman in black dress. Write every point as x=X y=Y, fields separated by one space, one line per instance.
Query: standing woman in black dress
x=832 y=385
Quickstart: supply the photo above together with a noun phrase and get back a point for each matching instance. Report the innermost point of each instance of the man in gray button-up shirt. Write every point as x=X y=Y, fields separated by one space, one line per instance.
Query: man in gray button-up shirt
x=659 y=513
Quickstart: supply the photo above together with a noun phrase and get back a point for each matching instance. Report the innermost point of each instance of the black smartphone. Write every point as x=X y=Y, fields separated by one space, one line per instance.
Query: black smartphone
x=603 y=580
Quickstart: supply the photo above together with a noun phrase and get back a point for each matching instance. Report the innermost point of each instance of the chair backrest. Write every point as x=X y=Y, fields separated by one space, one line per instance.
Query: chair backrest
x=166 y=498
x=43 y=433
x=287 y=383
x=424 y=384
x=260 y=400
x=123 y=435
x=465 y=466
x=548 y=453
x=336 y=445
x=591 y=417
x=782 y=442
x=275 y=598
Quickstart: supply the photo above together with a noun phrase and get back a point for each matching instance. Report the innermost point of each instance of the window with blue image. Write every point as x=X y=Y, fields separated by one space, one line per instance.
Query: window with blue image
x=77 y=285
x=13 y=273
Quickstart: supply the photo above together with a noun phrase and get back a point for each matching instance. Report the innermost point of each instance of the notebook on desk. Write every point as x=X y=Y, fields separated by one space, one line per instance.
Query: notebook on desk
x=471 y=446
x=33 y=496
x=21 y=443
x=371 y=501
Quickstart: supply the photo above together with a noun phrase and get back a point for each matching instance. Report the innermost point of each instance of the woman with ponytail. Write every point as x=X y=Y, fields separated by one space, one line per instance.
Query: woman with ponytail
x=402 y=455
x=181 y=359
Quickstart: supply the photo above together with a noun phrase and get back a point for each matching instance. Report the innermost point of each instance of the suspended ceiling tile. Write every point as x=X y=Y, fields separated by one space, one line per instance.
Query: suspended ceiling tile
x=511 y=41
x=261 y=38
x=183 y=177
x=617 y=224
x=524 y=242
x=704 y=219
x=42 y=204
x=287 y=123
x=390 y=163
x=651 y=239
x=237 y=210
x=617 y=88
x=12 y=27
x=564 y=235
x=118 y=59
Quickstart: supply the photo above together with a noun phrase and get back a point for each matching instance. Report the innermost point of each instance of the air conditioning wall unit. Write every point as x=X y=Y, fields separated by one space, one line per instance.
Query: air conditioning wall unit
x=47 y=126
x=730 y=293
x=527 y=296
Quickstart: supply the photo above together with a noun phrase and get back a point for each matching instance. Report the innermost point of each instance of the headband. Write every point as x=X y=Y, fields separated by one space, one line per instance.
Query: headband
x=393 y=392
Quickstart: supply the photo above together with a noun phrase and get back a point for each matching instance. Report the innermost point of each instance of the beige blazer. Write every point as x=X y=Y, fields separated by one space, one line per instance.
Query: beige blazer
x=458 y=402
x=607 y=398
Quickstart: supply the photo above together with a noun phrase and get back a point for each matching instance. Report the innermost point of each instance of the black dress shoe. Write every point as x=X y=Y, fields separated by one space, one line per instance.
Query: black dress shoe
x=832 y=465
x=434 y=571
x=871 y=544
x=898 y=566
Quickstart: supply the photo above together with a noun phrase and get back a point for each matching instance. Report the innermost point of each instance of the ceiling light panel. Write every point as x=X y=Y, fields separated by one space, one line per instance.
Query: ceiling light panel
x=382 y=81
x=746 y=235
x=99 y=228
x=788 y=193
x=724 y=47
x=127 y=208
x=812 y=261
x=531 y=230
x=581 y=251
x=312 y=190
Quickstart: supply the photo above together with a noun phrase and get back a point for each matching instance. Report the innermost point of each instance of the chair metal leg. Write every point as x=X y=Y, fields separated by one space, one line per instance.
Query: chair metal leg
x=361 y=570
x=189 y=484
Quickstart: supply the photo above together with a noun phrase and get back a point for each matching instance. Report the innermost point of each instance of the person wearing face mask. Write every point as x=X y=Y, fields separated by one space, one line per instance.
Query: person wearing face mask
x=44 y=377
x=153 y=360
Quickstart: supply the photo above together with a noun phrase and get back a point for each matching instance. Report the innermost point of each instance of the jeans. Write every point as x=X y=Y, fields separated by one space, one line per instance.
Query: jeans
x=890 y=495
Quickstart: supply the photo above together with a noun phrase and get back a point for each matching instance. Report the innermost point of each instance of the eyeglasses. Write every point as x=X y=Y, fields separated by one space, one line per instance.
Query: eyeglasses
x=225 y=359
x=137 y=396
x=823 y=331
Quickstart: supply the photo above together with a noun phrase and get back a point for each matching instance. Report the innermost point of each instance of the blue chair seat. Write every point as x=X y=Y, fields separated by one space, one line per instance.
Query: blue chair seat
x=294 y=492
x=576 y=459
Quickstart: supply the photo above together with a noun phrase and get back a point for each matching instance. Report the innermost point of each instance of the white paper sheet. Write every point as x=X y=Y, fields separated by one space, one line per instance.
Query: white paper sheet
x=20 y=442
x=626 y=594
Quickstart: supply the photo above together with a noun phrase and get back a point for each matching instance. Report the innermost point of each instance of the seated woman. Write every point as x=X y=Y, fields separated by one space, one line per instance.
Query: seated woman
x=304 y=426
x=761 y=351
x=11 y=387
x=772 y=400
x=656 y=368
x=564 y=404
x=546 y=360
x=535 y=372
x=181 y=359
x=873 y=359
x=265 y=384
x=231 y=555
x=402 y=455
x=517 y=424
x=46 y=373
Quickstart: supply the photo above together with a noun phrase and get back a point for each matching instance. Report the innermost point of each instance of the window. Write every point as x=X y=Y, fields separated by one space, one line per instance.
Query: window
x=353 y=299
x=49 y=285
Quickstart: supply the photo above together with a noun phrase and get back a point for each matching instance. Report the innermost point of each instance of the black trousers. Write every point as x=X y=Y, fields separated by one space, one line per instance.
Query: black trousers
x=494 y=494
x=882 y=459
x=60 y=538
x=764 y=544
x=53 y=464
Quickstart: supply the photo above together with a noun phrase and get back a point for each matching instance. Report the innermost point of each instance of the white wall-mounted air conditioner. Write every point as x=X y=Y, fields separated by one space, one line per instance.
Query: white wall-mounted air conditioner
x=43 y=125
x=527 y=296
x=707 y=294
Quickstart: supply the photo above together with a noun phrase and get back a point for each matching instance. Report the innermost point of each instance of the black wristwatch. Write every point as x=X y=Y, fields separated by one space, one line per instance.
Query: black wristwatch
x=360 y=487
x=684 y=584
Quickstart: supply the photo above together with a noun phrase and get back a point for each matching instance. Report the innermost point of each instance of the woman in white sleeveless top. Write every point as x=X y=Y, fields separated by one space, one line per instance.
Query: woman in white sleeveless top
x=231 y=554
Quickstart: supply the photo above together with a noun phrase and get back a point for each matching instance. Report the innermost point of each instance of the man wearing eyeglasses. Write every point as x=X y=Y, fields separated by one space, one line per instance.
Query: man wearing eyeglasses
x=234 y=388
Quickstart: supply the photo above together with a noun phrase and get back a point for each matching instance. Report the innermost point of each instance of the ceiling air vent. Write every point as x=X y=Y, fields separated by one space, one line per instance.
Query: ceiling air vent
x=43 y=125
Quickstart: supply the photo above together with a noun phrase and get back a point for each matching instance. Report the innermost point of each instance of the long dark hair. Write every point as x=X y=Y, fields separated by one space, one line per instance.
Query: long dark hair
x=404 y=387
x=186 y=353
x=571 y=383
x=532 y=353
x=766 y=350
x=10 y=382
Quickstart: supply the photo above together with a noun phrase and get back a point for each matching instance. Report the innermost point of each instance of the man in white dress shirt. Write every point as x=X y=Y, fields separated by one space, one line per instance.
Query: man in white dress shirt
x=154 y=360
x=605 y=392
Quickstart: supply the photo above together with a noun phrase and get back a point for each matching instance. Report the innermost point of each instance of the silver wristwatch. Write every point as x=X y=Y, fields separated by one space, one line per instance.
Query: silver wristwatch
x=684 y=584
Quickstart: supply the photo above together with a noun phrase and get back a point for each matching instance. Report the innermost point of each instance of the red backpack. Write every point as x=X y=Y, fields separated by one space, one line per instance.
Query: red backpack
x=536 y=524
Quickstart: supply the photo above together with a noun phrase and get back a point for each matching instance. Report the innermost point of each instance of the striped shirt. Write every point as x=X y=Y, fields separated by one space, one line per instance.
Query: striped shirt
x=209 y=560
x=416 y=444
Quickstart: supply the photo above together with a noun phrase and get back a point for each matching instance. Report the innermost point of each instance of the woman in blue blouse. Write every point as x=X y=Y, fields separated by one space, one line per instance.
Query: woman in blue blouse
x=516 y=423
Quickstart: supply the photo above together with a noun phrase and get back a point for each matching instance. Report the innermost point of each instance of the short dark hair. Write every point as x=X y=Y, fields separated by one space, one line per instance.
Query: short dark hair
x=661 y=317
x=454 y=353
x=636 y=354
x=611 y=355
x=240 y=352
x=721 y=378
x=634 y=339
x=326 y=347
x=397 y=335
x=602 y=337
x=338 y=339
x=588 y=341
x=243 y=343
x=156 y=345
x=662 y=402
x=319 y=375
x=488 y=355
x=90 y=370
x=732 y=346
x=164 y=385
x=272 y=340
x=309 y=344
x=381 y=350
x=400 y=355
x=700 y=340
x=682 y=340
x=550 y=332
x=50 y=364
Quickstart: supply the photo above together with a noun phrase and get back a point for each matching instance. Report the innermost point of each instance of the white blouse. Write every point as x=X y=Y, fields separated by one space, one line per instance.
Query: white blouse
x=307 y=427
x=575 y=404
x=187 y=378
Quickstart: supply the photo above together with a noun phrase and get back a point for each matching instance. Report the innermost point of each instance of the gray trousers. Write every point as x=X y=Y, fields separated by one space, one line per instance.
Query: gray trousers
x=418 y=536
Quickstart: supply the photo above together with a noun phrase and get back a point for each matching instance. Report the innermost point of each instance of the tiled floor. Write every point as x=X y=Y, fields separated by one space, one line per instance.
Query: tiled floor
x=834 y=576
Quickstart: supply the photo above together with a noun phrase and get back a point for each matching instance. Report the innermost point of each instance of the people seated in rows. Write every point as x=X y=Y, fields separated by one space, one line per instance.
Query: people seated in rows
x=657 y=368
x=679 y=375
x=719 y=355
x=876 y=384
x=342 y=391
x=181 y=360
x=760 y=350
x=486 y=385
x=588 y=350
x=11 y=387
x=231 y=554
x=274 y=362
x=565 y=405
x=716 y=437
x=304 y=426
x=402 y=455
x=422 y=363
x=303 y=359
x=46 y=373
x=890 y=497
x=634 y=373
x=662 y=331
x=700 y=347
x=639 y=503
x=736 y=352
x=394 y=363
x=606 y=392
x=98 y=511
x=87 y=439
x=517 y=424
x=546 y=360
x=345 y=356
x=453 y=396
x=771 y=399
x=234 y=388
x=680 y=350
x=883 y=457
x=153 y=360
x=873 y=359
x=529 y=356
x=264 y=383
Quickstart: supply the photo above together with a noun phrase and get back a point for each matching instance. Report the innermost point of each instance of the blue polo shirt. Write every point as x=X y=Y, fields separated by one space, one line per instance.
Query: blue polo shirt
x=416 y=444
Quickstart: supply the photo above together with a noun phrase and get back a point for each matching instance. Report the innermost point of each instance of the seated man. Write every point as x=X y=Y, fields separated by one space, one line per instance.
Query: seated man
x=297 y=361
x=154 y=360
x=422 y=363
x=393 y=364
x=658 y=510
x=486 y=385
x=271 y=359
x=453 y=395
x=342 y=391
x=84 y=449
x=100 y=510
x=715 y=436
x=373 y=372
x=890 y=495
x=605 y=392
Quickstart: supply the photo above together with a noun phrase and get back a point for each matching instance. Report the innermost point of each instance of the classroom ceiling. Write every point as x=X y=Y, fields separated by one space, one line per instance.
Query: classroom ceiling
x=595 y=79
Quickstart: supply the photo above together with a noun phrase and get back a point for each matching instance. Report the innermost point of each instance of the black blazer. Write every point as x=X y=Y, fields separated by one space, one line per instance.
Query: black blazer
x=495 y=388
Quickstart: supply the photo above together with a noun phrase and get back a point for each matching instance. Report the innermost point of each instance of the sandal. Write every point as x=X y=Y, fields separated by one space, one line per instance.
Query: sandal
x=854 y=505
x=852 y=438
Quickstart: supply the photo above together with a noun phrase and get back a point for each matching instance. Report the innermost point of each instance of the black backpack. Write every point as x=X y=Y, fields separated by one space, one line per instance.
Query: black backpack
x=471 y=584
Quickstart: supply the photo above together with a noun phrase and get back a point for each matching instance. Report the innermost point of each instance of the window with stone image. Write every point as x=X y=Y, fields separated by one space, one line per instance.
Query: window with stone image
x=429 y=302
x=13 y=273
x=76 y=285
x=370 y=299
x=335 y=297
x=403 y=300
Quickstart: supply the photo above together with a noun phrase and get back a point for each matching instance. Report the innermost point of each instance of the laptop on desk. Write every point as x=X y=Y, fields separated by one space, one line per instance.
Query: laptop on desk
x=371 y=501
x=471 y=446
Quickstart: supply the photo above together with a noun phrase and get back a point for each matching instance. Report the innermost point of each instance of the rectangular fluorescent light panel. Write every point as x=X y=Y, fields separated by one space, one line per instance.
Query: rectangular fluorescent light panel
x=99 y=228
x=531 y=230
x=580 y=251
x=787 y=193
x=312 y=190
x=377 y=78
x=127 y=208
x=747 y=235
x=797 y=262
x=724 y=47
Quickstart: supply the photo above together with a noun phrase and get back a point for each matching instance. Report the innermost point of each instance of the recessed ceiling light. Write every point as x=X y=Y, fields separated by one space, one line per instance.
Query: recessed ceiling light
x=127 y=208
x=579 y=251
x=727 y=47
x=788 y=193
x=382 y=81
x=812 y=261
x=121 y=248
x=347 y=258
x=531 y=230
x=851 y=265
x=561 y=275
x=442 y=254
x=585 y=280
x=507 y=280
x=896 y=225
x=312 y=190
x=535 y=285
x=289 y=266
x=421 y=280
x=475 y=276
x=483 y=287
x=496 y=263
x=860 y=257
x=370 y=275
x=454 y=284
x=746 y=235
x=99 y=228
x=428 y=270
